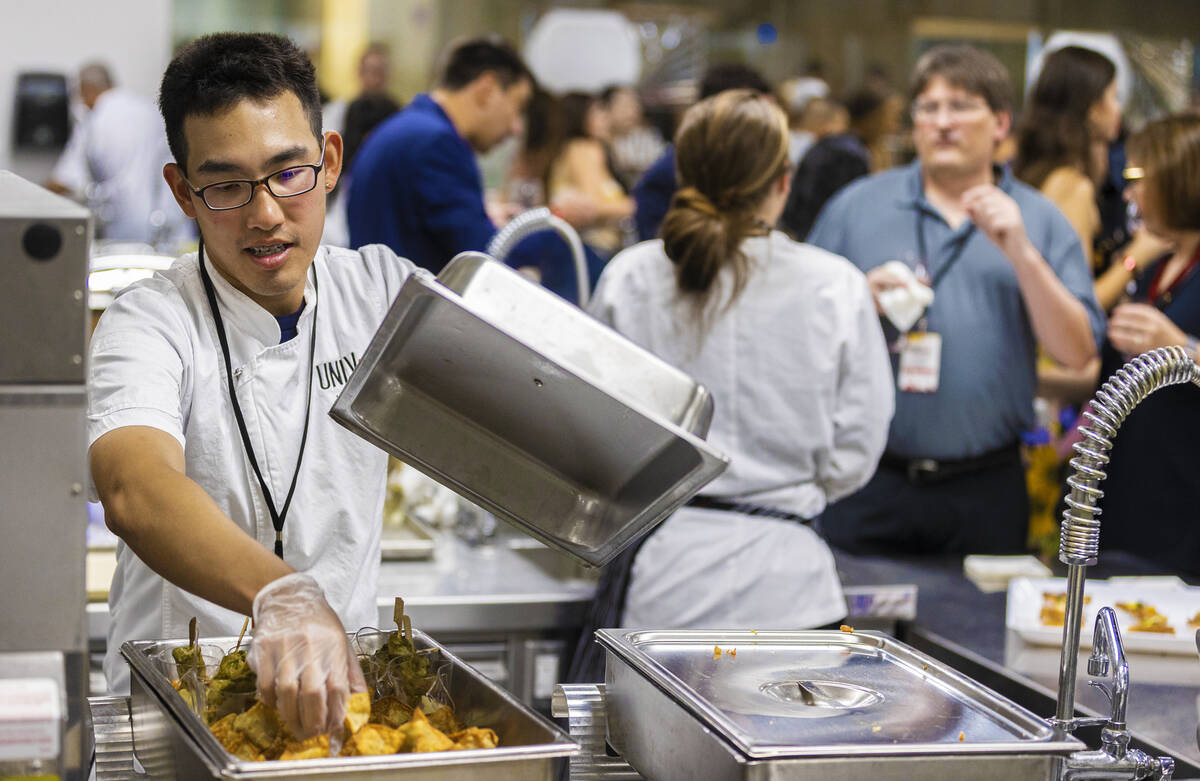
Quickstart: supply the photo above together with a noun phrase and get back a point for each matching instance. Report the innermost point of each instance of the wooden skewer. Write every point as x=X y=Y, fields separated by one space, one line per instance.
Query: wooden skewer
x=245 y=625
x=192 y=632
x=398 y=613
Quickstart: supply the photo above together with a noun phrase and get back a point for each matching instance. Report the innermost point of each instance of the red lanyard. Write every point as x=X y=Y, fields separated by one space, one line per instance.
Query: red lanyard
x=1154 y=293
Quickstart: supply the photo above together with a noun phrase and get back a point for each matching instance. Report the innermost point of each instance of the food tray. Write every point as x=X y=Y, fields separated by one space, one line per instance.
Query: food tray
x=520 y=402
x=172 y=742
x=1170 y=596
x=800 y=705
x=408 y=540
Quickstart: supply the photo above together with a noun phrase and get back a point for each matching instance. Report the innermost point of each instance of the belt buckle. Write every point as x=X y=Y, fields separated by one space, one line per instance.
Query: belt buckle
x=921 y=467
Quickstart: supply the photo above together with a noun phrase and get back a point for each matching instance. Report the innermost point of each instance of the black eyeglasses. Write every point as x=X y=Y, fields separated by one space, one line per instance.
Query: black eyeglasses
x=236 y=193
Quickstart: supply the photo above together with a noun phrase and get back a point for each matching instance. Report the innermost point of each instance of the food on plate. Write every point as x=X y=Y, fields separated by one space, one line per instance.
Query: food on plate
x=1148 y=618
x=1054 y=608
x=1194 y=621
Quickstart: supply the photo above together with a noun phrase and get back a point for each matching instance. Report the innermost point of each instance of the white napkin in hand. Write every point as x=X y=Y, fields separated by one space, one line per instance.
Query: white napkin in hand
x=904 y=304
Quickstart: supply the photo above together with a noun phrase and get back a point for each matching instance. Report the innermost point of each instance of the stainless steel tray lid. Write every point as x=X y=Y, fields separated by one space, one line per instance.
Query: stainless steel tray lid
x=523 y=404
x=789 y=694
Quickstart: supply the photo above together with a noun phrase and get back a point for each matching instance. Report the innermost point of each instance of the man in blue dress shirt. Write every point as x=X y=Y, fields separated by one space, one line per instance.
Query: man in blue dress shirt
x=415 y=184
x=1009 y=276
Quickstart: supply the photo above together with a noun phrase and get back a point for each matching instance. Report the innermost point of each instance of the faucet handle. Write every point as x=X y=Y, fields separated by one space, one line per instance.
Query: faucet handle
x=1104 y=688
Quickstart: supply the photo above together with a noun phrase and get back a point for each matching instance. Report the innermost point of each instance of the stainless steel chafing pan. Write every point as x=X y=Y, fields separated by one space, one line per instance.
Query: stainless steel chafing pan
x=793 y=706
x=172 y=742
x=526 y=406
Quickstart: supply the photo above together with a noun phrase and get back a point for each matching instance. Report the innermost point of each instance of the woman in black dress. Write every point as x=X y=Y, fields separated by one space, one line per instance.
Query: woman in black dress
x=1151 y=498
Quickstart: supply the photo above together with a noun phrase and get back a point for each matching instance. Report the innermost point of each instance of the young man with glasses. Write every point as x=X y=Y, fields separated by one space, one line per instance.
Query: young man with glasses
x=1008 y=275
x=232 y=490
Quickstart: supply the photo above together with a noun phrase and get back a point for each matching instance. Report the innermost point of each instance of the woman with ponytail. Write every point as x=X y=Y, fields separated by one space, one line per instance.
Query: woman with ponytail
x=787 y=339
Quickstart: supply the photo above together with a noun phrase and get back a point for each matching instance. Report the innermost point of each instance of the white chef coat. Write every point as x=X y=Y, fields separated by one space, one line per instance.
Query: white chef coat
x=802 y=382
x=115 y=157
x=156 y=361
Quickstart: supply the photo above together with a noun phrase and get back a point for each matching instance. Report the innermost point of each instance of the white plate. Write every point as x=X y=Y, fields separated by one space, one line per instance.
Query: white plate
x=1170 y=596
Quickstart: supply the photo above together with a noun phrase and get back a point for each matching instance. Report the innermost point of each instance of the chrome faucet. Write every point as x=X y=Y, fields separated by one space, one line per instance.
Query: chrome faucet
x=1079 y=548
x=1114 y=759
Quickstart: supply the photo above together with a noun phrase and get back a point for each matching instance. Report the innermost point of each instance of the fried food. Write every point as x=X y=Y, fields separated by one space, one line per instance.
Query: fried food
x=420 y=736
x=474 y=737
x=231 y=687
x=188 y=659
x=260 y=725
x=358 y=711
x=390 y=711
x=441 y=717
x=1054 y=608
x=373 y=740
x=414 y=713
x=241 y=747
x=1148 y=618
x=313 y=748
x=223 y=727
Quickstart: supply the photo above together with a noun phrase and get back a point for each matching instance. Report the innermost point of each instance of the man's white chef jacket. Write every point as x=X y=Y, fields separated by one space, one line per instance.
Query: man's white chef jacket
x=156 y=361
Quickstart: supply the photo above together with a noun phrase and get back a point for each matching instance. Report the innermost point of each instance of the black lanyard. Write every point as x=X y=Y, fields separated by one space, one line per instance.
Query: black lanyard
x=277 y=517
x=955 y=254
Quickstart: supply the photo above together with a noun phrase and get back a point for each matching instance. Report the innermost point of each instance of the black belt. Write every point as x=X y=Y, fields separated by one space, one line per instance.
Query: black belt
x=935 y=470
x=745 y=508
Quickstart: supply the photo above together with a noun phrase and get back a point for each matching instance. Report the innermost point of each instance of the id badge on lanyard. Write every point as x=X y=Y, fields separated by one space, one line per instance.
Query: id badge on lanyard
x=921 y=349
x=920 y=361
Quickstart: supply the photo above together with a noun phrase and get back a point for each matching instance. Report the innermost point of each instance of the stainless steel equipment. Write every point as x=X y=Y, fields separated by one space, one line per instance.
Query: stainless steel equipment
x=1079 y=548
x=792 y=706
x=172 y=742
x=1114 y=759
x=43 y=637
x=541 y=218
x=523 y=404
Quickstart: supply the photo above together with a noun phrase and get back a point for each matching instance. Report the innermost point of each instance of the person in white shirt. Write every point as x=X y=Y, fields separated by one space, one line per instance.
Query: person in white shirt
x=114 y=161
x=787 y=339
x=231 y=489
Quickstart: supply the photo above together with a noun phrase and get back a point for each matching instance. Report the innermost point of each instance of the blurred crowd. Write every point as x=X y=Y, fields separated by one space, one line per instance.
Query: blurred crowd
x=904 y=297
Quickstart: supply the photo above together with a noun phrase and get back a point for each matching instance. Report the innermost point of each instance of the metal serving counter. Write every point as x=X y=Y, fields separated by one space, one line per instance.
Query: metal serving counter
x=952 y=612
x=476 y=596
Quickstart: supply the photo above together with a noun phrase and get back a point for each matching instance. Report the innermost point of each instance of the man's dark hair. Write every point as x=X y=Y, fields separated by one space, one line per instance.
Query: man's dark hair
x=974 y=70
x=471 y=58
x=729 y=75
x=214 y=72
x=612 y=90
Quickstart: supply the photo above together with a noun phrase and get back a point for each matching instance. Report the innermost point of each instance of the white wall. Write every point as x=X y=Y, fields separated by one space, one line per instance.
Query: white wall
x=133 y=37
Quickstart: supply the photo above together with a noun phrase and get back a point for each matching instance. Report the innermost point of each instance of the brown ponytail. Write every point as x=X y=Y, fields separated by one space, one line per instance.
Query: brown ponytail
x=729 y=150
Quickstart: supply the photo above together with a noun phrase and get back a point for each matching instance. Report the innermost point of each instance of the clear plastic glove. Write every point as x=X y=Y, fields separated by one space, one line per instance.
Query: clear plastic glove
x=306 y=669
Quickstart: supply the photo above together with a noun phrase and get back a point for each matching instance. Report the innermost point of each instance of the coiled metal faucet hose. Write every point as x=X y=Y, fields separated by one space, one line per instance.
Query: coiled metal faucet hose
x=1079 y=540
x=532 y=221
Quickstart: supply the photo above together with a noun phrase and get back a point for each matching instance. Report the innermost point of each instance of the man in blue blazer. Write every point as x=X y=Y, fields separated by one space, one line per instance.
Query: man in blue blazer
x=415 y=184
